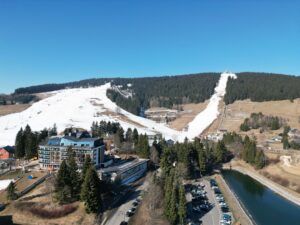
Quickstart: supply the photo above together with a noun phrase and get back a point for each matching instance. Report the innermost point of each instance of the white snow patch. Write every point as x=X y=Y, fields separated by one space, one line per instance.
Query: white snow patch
x=211 y=112
x=79 y=107
x=4 y=184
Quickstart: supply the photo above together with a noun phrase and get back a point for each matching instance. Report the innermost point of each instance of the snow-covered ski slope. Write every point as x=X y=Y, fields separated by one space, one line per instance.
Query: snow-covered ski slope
x=79 y=107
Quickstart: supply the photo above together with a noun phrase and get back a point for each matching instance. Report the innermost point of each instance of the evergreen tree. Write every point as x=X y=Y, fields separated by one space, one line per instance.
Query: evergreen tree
x=74 y=175
x=53 y=131
x=62 y=184
x=19 y=145
x=172 y=216
x=202 y=161
x=285 y=142
x=154 y=155
x=259 y=160
x=182 y=208
x=94 y=129
x=11 y=191
x=87 y=164
x=120 y=133
x=168 y=199
x=129 y=135
x=142 y=147
x=91 y=192
x=221 y=152
x=28 y=143
x=135 y=136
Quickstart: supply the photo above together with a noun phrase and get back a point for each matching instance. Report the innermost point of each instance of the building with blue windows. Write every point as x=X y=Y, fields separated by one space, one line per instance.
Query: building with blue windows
x=56 y=149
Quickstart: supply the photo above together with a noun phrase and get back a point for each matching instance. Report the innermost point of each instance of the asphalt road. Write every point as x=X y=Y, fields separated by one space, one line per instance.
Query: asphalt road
x=119 y=215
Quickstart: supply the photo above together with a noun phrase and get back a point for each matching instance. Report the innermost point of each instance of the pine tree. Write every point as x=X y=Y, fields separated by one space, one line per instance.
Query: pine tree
x=120 y=133
x=285 y=142
x=182 y=208
x=28 y=143
x=142 y=147
x=53 y=131
x=19 y=143
x=202 y=162
x=221 y=152
x=259 y=160
x=135 y=136
x=168 y=193
x=172 y=217
x=129 y=135
x=91 y=192
x=94 y=129
x=11 y=191
x=62 y=184
x=87 y=164
x=74 y=175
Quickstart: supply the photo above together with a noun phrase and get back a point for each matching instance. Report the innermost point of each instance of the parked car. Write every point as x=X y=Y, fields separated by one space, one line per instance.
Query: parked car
x=135 y=203
x=205 y=207
x=123 y=223
x=224 y=209
x=196 y=209
x=2 y=207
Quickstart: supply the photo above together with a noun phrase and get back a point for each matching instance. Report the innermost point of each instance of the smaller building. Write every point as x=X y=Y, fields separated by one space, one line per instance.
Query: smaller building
x=215 y=137
x=126 y=171
x=161 y=115
x=294 y=133
x=7 y=152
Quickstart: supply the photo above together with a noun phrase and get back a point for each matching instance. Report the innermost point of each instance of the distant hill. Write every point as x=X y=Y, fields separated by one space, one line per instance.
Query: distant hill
x=171 y=91
x=261 y=87
x=163 y=91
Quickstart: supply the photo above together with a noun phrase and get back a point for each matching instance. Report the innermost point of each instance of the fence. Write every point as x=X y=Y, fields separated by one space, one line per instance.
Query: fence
x=32 y=186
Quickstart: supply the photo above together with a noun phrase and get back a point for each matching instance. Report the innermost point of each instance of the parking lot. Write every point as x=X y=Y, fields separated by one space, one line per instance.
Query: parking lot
x=206 y=204
x=128 y=207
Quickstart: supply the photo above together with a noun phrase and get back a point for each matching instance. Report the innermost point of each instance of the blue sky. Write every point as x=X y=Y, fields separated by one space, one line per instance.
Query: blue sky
x=60 y=40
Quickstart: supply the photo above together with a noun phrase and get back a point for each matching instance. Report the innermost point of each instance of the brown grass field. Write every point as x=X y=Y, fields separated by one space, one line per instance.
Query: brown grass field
x=41 y=195
x=187 y=115
x=9 y=109
x=239 y=110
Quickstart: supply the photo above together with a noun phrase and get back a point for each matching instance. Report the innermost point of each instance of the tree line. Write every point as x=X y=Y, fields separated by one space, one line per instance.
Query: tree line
x=27 y=141
x=130 y=141
x=259 y=120
x=167 y=91
x=261 y=87
x=184 y=161
x=17 y=98
x=286 y=143
x=245 y=149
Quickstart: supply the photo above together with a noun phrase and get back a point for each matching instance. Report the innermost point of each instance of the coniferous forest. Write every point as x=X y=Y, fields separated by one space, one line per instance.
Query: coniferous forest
x=171 y=91
x=261 y=87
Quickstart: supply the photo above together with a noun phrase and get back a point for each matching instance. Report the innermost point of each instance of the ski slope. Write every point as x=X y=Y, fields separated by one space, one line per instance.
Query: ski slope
x=79 y=107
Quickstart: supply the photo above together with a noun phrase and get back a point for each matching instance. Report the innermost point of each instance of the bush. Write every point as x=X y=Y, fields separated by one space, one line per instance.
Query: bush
x=273 y=161
x=53 y=213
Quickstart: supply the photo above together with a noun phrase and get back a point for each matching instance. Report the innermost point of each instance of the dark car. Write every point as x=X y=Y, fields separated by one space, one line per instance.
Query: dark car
x=224 y=209
x=205 y=207
x=2 y=207
x=129 y=213
x=123 y=223
x=135 y=203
